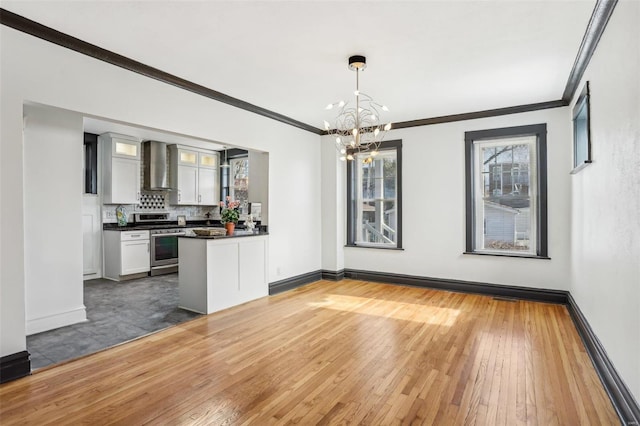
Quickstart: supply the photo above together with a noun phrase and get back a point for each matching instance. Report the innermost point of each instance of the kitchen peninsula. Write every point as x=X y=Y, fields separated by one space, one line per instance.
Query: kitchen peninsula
x=218 y=272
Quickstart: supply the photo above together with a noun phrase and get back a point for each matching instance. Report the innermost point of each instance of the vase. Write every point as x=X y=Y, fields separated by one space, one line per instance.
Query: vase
x=230 y=226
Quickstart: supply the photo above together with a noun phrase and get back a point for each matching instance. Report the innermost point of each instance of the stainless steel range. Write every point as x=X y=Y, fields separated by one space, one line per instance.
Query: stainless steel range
x=164 y=241
x=164 y=250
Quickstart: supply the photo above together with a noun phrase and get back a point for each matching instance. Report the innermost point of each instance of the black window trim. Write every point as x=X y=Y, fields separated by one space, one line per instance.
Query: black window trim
x=583 y=102
x=90 y=164
x=351 y=209
x=540 y=131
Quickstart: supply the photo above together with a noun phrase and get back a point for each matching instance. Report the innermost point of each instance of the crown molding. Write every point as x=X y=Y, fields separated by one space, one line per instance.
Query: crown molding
x=597 y=24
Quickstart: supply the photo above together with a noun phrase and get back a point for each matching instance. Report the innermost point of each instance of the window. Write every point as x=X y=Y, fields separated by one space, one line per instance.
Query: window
x=90 y=163
x=374 y=204
x=506 y=191
x=581 y=134
x=239 y=185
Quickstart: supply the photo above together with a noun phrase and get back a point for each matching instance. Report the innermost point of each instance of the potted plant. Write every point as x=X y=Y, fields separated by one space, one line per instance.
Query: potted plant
x=229 y=214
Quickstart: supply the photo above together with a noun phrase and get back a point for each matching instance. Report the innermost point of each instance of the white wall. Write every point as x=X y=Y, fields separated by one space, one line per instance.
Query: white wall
x=333 y=207
x=605 y=237
x=434 y=208
x=52 y=211
x=40 y=72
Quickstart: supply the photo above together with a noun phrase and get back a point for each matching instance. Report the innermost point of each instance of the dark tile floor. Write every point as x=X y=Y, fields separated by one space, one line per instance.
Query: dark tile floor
x=116 y=312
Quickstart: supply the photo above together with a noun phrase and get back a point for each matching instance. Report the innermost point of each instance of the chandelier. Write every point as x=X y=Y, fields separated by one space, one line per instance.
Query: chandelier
x=357 y=128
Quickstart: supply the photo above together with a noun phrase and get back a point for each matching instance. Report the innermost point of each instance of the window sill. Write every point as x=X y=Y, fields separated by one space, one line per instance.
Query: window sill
x=580 y=167
x=523 y=256
x=374 y=247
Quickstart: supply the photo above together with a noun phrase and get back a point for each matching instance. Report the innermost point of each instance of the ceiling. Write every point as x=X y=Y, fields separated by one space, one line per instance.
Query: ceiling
x=425 y=58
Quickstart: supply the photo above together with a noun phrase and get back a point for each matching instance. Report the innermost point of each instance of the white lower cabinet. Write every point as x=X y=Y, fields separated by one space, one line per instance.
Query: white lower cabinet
x=216 y=274
x=126 y=254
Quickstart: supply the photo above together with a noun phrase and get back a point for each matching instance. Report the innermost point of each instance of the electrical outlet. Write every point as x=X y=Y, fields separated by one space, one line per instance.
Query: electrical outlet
x=108 y=214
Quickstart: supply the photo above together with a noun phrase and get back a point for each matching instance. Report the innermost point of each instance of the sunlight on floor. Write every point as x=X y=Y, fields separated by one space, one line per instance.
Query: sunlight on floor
x=390 y=309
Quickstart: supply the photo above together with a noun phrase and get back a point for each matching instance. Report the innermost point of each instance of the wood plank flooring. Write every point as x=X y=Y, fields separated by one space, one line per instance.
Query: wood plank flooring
x=349 y=352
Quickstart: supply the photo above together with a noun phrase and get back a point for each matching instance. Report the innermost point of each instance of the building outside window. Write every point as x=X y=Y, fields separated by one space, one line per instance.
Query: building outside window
x=506 y=191
x=375 y=203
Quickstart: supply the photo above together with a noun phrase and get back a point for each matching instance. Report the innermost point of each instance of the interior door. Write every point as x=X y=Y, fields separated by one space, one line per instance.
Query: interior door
x=91 y=237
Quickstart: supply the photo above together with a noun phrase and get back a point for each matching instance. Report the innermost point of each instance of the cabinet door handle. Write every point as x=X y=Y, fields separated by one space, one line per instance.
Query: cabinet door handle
x=135 y=235
x=147 y=247
x=178 y=195
x=199 y=198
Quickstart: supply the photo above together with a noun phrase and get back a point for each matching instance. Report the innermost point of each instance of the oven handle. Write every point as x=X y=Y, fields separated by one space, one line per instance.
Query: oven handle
x=168 y=235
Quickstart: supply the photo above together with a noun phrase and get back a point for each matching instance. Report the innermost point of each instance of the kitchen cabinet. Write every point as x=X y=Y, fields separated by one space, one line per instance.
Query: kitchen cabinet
x=121 y=169
x=207 y=194
x=187 y=185
x=193 y=177
x=216 y=274
x=126 y=254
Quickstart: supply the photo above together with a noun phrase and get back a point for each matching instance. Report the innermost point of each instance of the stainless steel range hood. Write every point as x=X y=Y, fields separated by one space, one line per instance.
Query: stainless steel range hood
x=155 y=166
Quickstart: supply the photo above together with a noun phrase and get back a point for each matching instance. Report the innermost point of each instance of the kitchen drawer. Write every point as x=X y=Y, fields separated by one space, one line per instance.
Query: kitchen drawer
x=134 y=235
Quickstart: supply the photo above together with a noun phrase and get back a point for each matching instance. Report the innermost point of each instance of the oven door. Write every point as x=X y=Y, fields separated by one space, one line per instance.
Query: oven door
x=164 y=249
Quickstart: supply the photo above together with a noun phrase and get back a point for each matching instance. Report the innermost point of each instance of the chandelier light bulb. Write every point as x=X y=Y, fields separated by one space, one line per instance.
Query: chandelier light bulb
x=373 y=116
x=343 y=158
x=353 y=143
x=374 y=153
x=338 y=140
x=387 y=127
x=356 y=92
x=341 y=104
x=384 y=108
x=343 y=151
x=330 y=106
x=326 y=125
x=349 y=157
x=354 y=132
x=376 y=132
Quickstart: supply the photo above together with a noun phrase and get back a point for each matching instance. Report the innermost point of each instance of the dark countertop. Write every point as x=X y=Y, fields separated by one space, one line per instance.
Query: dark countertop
x=132 y=226
x=222 y=237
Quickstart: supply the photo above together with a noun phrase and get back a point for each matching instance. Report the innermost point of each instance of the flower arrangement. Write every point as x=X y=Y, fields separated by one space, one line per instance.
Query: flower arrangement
x=229 y=211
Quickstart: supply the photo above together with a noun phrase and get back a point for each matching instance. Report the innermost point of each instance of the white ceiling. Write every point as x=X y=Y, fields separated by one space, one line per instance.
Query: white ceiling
x=425 y=58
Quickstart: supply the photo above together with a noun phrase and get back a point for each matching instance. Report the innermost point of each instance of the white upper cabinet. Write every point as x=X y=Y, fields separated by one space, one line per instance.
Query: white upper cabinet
x=125 y=148
x=121 y=169
x=193 y=177
x=187 y=185
x=207 y=195
x=186 y=157
x=207 y=160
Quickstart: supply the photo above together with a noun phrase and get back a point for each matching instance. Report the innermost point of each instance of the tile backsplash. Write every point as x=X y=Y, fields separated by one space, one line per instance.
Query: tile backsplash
x=159 y=201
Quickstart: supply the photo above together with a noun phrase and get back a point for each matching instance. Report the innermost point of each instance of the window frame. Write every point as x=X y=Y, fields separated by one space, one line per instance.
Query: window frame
x=583 y=104
x=231 y=188
x=541 y=231
x=90 y=164
x=352 y=199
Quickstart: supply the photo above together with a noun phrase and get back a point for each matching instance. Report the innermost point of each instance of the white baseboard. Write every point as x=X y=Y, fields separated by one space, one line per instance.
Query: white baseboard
x=49 y=322
x=91 y=276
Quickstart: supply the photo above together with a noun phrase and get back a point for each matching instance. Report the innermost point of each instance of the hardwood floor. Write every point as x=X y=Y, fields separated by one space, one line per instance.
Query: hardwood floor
x=349 y=352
